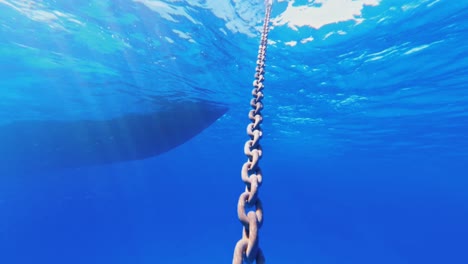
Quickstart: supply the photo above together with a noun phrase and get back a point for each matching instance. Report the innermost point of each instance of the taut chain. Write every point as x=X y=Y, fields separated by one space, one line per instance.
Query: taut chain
x=247 y=248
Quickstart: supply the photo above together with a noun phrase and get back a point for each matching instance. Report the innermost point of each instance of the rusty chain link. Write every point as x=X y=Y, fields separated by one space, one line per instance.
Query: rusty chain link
x=247 y=248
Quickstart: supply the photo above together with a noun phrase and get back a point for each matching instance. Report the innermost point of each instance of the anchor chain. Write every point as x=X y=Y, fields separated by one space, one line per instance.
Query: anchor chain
x=247 y=248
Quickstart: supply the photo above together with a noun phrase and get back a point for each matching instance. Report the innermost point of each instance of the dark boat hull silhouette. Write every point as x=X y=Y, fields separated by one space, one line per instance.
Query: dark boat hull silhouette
x=48 y=145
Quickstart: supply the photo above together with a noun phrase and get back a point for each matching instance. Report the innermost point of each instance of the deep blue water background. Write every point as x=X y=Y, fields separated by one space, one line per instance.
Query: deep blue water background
x=365 y=133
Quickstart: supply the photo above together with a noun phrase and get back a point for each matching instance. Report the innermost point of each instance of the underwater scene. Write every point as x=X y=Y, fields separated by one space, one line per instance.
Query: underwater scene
x=234 y=131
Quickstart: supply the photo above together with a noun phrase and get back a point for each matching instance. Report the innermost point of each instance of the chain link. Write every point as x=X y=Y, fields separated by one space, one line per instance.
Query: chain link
x=247 y=248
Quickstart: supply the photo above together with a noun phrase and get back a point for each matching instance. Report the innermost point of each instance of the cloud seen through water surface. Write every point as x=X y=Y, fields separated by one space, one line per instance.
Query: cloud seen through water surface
x=319 y=13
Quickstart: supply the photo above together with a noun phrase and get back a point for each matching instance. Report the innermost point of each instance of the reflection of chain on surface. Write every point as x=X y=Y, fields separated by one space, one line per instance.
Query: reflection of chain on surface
x=247 y=248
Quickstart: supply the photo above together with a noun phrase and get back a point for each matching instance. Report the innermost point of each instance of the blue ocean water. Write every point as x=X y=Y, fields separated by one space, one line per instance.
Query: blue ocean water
x=365 y=125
